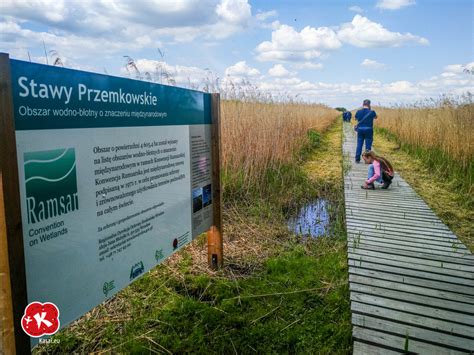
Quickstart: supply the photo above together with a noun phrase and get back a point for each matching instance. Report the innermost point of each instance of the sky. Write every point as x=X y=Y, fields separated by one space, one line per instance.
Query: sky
x=332 y=52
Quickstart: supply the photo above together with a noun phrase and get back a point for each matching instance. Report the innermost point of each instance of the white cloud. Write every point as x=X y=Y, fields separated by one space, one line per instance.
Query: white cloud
x=18 y=41
x=262 y=16
x=459 y=68
x=234 y=11
x=308 y=65
x=278 y=70
x=119 y=25
x=401 y=87
x=347 y=93
x=288 y=44
x=372 y=64
x=241 y=70
x=394 y=4
x=362 y=32
x=357 y=9
x=165 y=73
x=454 y=68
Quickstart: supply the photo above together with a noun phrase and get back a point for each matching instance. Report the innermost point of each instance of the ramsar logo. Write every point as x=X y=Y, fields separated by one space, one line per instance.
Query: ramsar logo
x=51 y=183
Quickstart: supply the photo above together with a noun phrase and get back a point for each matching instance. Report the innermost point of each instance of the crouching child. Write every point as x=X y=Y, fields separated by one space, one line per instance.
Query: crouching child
x=380 y=170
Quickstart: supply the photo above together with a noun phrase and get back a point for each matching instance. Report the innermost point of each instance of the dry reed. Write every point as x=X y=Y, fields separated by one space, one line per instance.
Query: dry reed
x=446 y=126
x=259 y=136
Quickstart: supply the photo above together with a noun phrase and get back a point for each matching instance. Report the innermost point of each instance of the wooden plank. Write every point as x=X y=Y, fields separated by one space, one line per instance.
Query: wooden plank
x=441 y=242
x=418 y=222
x=354 y=225
x=381 y=226
x=468 y=301
x=460 y=323
x=382 y=231
x=11 y=206
x=355 y=260
x=395 y=214
x=395 y=195
x=384 y=220
x=354 y=183
x=441 y=339
x=382 y=253
x=400 y=342
x=386 y=201
x=400 y=228
x=409 y=280
x=396 y=244
x=353 y=209
x=436 y=244
x=364 y=264
x=368 y=349
x=407 y=195
x=434 y=248
x=465 y=260
x=387 y=198
x=383 y=205
x=401 y=216
x=397 y=185
x=414 y=298
x=412 y=319
x=363 y=240
x=378 y=206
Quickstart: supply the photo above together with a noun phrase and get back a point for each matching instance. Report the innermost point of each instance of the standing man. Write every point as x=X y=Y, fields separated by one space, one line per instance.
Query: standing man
x=365 y=128
x=348 y=116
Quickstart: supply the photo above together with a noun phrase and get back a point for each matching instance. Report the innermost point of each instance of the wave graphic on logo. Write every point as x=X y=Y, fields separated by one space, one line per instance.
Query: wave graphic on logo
x=50 y=165
x=32 y=160
x=50 y=183
x=52 y=180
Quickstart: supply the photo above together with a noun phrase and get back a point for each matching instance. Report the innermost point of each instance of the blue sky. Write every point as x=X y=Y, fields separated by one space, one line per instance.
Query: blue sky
x=334 y=52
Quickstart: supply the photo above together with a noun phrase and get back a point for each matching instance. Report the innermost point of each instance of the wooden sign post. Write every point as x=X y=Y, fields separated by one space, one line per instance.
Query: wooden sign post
x=215 y=254
x=12 y=260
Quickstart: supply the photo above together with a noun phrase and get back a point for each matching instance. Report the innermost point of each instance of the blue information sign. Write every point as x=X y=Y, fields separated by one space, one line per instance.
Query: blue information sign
x=115 y=176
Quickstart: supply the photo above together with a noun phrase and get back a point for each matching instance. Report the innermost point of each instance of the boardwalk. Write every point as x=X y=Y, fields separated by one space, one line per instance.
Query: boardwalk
x=411 y=280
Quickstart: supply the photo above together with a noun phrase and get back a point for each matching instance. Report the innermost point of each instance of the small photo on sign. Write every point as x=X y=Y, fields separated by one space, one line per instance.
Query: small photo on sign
x=206 y=195
x=197 y=199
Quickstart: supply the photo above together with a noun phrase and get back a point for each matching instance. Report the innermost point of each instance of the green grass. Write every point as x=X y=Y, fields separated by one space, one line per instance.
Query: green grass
x=202 y=314
x=291 y=296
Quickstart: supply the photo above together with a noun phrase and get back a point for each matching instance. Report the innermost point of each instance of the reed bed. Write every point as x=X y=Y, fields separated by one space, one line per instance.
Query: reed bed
x=259 y=137
x=439 y=131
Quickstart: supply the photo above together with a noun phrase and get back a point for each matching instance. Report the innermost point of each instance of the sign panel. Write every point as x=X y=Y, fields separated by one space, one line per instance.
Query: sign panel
x=115 y=176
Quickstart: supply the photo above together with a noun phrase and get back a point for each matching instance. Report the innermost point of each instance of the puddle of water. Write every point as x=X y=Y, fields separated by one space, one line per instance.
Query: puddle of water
x=312 y=219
